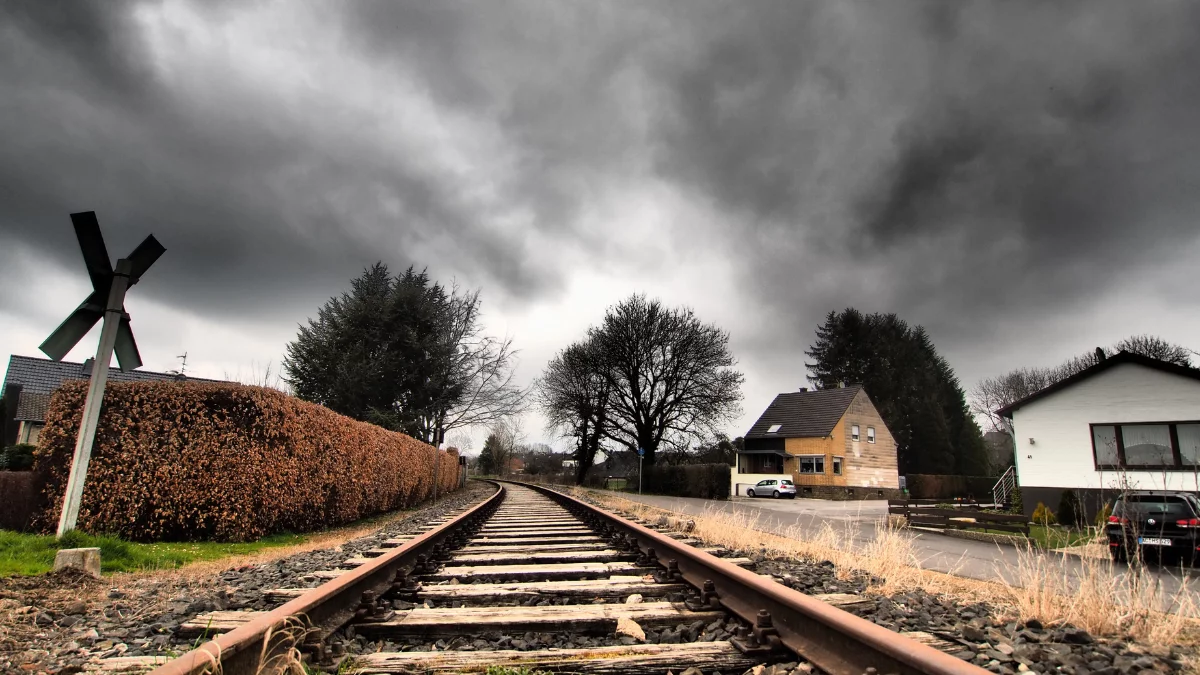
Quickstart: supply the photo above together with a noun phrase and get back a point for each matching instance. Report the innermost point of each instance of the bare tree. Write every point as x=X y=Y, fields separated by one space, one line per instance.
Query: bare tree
x=1156 y=348
x=461 y=440
x=479 y=372
x=573 y=394
x=994 y=393
x=502 y=442
x=260 y=376
x=670 y=376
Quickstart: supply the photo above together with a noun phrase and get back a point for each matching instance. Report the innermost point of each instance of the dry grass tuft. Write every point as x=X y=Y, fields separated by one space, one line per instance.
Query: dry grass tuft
x=1096 y=595
x=1053 y=589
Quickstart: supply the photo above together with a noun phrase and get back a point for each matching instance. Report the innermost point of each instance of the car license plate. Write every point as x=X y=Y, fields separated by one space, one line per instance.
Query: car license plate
x=1148 y=541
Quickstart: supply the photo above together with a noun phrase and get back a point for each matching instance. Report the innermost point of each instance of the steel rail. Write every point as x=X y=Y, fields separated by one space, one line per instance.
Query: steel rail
x=833 y=640
x=245 y=650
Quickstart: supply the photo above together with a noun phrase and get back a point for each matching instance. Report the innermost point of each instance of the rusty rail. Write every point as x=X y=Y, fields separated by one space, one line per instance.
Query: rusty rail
x=253 y=647
x=833 y=640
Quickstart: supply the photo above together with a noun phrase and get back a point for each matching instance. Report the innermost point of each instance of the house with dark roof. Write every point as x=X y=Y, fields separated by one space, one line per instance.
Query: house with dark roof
x=831 y=443
x=29 y=382
x=1127 y=422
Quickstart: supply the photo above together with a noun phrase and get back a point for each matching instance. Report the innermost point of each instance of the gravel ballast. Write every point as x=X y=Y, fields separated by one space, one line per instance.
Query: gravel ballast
x=56 y=623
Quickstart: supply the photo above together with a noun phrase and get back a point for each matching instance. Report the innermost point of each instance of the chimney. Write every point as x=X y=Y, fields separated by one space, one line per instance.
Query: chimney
x=803 y=388
x=87 y=367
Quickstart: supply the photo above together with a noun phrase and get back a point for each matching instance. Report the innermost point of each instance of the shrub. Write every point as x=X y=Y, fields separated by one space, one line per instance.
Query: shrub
x=1016 y=502
x=1044 y=516
x=705 y=481
x=1103 y=514
x=200 y=461
x=1070 y=512
x=17 y=457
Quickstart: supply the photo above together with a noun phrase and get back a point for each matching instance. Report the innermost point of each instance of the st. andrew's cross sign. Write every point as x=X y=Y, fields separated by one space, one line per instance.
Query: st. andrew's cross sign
x=107 y=303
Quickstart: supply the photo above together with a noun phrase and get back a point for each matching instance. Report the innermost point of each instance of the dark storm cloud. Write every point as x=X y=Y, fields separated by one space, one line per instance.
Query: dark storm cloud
x=981 y=155
x=260 y=206
x=945 y=160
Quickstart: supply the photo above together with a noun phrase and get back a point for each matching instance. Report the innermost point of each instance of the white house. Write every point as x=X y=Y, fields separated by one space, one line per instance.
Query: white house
x=1128 y=422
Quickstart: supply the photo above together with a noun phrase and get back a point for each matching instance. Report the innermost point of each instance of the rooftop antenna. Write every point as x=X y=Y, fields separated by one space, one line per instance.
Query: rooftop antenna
x=182 y=365
x=106 y=302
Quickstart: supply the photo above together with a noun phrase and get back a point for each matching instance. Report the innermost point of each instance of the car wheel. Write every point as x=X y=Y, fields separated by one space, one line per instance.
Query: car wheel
x=775 y=494
x=749 y=493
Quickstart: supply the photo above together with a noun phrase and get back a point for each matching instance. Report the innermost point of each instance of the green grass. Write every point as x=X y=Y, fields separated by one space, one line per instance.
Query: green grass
x=22 y=553
x=1057 y=536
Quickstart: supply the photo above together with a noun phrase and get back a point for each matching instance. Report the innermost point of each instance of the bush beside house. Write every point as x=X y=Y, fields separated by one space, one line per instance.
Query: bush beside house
x=193 y=461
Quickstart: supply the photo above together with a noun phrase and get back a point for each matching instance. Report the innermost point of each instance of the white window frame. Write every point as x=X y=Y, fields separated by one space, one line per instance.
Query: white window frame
x=854 y=432
x=774 y=428
x=839 y=464
x=870 y=434
x=814 y=458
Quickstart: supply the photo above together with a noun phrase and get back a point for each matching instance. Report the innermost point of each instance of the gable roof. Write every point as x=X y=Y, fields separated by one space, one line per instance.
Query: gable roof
x=40 y=377
x=804 y=414
x=1114 y=360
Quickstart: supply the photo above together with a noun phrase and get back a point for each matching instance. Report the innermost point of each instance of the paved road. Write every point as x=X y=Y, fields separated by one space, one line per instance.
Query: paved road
x=859 y=519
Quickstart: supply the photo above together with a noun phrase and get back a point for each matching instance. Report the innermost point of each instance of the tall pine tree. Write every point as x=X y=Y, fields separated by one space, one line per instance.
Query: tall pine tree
x=914 y=389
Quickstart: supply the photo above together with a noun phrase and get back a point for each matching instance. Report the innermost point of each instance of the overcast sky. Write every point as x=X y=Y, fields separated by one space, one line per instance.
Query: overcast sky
x=1021 y=178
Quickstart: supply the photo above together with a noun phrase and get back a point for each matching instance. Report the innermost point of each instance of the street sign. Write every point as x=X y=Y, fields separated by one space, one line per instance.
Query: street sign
x=641 y=452
x=106 y=302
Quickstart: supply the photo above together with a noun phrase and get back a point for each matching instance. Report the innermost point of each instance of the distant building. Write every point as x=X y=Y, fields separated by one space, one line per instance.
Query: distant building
x=30 y=382
x=516 y=465
x=1128 y=422
x=831 y=442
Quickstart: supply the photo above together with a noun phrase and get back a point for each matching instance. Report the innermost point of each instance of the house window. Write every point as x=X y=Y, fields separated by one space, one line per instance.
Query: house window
x=1189 y=443
x=1104 y=439
x=812 y=463
x=1153 y=445
x=1147 y=445
x=870 y=434
x=774 y=428
x=854 y=432
x=837 y=465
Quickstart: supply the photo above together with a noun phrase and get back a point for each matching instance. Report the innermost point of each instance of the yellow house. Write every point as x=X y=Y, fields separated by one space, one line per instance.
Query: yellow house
x=831 y=442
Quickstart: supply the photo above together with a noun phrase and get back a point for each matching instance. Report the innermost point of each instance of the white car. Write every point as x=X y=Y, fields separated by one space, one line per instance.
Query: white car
x=773 y=487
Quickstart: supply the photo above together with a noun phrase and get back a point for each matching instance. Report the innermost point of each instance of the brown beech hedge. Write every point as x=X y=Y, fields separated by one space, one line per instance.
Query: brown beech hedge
x=197 y=461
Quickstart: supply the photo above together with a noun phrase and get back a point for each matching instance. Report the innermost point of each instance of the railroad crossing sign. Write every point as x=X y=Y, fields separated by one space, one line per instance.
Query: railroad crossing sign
x=106 y=302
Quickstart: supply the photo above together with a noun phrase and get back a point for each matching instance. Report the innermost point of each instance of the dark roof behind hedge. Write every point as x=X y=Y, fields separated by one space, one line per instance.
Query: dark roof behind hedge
x=40 y=377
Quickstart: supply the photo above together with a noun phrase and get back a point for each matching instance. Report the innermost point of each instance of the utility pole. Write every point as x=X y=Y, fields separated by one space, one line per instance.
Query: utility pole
x=107 y=303
x=641 y=458
x=437 y=457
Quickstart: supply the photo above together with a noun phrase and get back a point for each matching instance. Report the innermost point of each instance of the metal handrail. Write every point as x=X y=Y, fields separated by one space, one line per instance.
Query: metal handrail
x=1004 y=487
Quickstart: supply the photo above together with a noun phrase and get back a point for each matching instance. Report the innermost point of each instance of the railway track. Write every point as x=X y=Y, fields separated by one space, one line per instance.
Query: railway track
x=530 y=561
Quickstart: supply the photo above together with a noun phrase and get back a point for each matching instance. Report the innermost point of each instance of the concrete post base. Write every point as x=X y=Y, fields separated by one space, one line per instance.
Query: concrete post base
x=86 y=559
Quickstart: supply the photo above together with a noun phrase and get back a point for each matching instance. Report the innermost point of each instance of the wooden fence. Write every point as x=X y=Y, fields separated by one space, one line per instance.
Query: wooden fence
x=933 y=513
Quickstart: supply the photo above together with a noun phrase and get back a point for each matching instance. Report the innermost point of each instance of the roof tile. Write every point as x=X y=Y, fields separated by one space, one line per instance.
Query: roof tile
x=804 y=414
x=40 y=377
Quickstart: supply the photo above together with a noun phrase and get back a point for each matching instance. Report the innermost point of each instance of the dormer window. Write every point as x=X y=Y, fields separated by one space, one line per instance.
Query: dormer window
x=774 y=428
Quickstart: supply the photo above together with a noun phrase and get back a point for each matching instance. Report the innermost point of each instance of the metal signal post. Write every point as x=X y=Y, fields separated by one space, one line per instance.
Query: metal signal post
x=108 y=287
